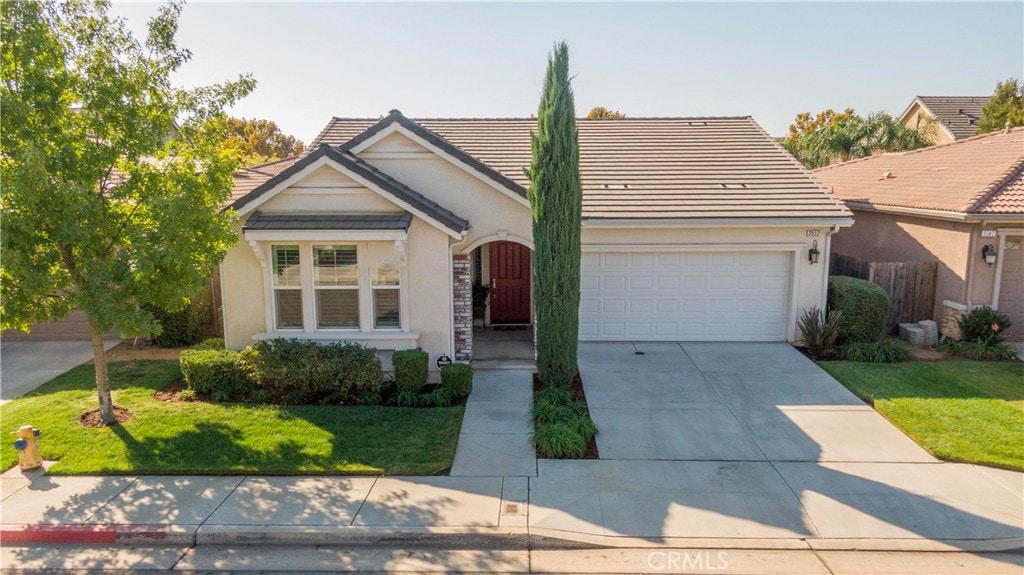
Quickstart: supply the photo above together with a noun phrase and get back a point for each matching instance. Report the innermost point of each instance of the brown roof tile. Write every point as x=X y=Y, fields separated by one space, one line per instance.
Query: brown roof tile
x=960 y=114
x=651 y=168
x=248 y=179
x=977 y=175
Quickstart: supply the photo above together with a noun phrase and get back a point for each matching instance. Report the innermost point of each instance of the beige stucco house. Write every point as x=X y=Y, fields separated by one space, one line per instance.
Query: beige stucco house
x=960 y=204
x=947 y=118
x=693 y=229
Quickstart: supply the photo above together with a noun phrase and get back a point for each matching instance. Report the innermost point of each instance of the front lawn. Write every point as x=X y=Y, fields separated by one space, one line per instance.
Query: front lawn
x=958 y=410
x=209 y=438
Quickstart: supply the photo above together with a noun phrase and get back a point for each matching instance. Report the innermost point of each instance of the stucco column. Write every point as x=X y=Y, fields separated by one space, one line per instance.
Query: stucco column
x=462 y=282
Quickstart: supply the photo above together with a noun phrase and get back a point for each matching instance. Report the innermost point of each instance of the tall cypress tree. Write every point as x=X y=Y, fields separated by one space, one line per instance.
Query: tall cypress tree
x=557 y=203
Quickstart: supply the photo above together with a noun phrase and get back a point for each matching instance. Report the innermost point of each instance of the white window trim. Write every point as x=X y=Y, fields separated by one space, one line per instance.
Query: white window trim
x=385 y=338
x=314 y=288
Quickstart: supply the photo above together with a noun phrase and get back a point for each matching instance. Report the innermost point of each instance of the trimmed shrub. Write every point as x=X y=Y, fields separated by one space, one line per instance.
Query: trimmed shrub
x=985 y=350
x=410 y=369
x=221 y=374
x=818 y=332
x=559 y=441
x=182 y=328
x=984 y=324
x=457 y=380
x=884 y=351
x=306 y=372
x=864 y=307
x=216 y=343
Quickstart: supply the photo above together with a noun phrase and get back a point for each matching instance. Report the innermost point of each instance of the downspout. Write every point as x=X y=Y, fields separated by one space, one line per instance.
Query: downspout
x=967 y=292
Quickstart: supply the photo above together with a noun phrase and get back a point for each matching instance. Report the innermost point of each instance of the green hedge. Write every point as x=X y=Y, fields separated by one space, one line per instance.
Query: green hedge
x=864 y=307
x=306 y=372
x=185 y=327
x=221 y=374
x=411 y=367
x=457 y=380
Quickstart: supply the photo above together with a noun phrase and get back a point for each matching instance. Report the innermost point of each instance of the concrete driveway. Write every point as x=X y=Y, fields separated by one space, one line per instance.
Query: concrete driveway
x=730 y=402
x=25 y=365
x=752 y=440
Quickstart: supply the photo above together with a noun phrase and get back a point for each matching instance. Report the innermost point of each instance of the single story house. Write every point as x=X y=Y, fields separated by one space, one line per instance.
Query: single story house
x=954 y=117
x=959 y=204
x=693 y=229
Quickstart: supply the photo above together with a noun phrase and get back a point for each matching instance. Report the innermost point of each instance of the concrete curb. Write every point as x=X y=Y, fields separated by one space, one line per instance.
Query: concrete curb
x=328 y=535
x=99 y=534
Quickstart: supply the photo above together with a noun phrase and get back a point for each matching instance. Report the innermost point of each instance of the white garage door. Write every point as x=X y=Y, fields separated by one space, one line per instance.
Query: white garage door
x=685 y=296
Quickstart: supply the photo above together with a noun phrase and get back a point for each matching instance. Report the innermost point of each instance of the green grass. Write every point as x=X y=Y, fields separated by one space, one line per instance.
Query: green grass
x=209 y=438
x=958 y=410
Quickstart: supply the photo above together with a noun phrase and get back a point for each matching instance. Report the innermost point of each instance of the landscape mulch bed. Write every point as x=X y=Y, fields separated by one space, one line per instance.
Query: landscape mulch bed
x=578 y=394
x=91 y=418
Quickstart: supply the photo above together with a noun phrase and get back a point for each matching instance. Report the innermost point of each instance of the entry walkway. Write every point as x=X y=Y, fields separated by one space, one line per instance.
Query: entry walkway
x=495 y=436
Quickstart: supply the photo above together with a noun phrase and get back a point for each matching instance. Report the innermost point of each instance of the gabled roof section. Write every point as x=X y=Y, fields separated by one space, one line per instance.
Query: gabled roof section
x=395 y=117
x=645 y=168
x=958 y=115
x=248 y=179
x=979 y=175
x=400 y=193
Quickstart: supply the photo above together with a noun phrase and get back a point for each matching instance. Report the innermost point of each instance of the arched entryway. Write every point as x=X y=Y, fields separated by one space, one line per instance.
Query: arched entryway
x=501 y=286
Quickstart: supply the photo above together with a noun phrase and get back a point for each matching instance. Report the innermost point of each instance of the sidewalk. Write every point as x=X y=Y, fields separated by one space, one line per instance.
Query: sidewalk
x=499 y=496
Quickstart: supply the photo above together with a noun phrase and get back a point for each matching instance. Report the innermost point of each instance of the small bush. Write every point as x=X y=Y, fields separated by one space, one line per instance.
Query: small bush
x=216 y=343
x=884 y=351
x=306 y=372
x=984 y=324
x=187 y=395
x=559 y=441
x=457 y=380
x=818 y=332
x=584 y=426
x=558 y=395
x=184 y=327
x=545 y=412
x=219 y=374
x=986 y=350
x=410 y=369
x=864 y=307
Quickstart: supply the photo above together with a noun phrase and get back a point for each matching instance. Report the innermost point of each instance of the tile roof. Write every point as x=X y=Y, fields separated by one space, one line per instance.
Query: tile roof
x=248 y=179
x=979 y=175
x=649 y=168
x=960 y=114
x=321 y=221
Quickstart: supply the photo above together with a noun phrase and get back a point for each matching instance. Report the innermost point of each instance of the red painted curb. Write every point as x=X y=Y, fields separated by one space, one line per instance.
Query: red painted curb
x=108 y=534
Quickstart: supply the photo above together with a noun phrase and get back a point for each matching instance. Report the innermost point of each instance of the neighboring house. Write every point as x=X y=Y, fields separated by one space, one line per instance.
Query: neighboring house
x=954 y=117
x=693 y=229
x=950 y=204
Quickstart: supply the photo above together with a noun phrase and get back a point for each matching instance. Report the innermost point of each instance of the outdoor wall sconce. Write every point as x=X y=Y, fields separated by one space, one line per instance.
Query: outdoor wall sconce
x=988 y=253
x=813 y=253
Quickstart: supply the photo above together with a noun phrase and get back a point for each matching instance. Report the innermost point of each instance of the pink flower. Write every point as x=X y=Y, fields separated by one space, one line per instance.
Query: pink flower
x=995 y=327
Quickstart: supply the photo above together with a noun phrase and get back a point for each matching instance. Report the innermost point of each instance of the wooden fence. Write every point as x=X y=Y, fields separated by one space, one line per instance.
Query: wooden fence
x=910 y=285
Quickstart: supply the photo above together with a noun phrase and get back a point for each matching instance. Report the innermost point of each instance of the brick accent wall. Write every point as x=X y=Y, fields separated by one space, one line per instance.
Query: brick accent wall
x=462 y=281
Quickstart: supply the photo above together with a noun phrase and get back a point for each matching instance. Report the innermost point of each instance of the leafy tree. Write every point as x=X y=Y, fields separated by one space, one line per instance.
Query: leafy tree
x=260 y=141
x=557 y=202
x=113 y=178
x=829 y=137
x=1005 y=106
x=600 y=112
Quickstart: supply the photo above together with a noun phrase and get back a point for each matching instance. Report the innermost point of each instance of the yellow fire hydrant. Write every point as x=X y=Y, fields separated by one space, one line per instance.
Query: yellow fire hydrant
x=28 y=451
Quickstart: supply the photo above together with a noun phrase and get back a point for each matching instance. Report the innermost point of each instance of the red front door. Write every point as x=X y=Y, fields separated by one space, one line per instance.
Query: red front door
x=510 y=282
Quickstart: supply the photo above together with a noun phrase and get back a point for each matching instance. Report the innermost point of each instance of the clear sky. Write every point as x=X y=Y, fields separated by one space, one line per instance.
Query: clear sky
x=767 y=60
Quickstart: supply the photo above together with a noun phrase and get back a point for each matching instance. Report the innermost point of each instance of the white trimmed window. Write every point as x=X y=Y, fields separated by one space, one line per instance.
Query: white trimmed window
x=287 y=288
x=336 y=286
x=387 y=292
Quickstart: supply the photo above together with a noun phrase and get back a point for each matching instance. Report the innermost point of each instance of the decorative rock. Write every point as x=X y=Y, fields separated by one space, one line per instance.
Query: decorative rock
x=912 y=334
x=931 y=331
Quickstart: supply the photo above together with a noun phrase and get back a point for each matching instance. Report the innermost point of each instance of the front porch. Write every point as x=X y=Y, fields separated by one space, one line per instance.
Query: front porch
x=503 y=347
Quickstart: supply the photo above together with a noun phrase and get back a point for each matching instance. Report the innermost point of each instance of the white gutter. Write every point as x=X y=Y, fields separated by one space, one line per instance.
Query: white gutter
x=828 y=266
